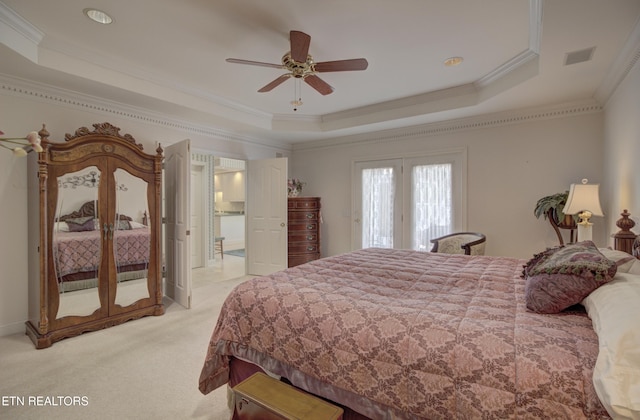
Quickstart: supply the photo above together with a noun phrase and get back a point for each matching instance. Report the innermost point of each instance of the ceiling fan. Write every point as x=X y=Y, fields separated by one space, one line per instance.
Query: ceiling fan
x=300 y=65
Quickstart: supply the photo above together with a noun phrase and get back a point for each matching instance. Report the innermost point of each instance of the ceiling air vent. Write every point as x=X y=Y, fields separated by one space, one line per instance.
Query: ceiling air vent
x=578 y=56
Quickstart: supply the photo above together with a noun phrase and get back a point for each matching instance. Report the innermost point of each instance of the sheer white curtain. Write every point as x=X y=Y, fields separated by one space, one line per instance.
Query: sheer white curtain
x=406 y=202
x=378 y=197
x=432 y=203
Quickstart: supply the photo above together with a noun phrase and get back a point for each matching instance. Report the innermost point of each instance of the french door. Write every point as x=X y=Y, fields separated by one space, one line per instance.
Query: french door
x=406 y=202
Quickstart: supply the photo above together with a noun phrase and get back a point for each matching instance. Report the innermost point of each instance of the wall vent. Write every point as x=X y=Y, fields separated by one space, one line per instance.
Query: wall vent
x=579 y=56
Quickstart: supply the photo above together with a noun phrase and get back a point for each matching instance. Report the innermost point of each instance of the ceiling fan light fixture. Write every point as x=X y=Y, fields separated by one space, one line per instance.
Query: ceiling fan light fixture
x=98 y=16
x=301 y=65
x=453 y=61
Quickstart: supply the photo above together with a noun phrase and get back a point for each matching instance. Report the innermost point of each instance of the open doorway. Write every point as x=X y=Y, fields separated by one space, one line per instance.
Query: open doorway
x=218 y=219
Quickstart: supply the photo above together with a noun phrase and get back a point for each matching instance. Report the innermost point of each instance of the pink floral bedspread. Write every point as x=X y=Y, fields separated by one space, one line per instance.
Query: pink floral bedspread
x=405 y=334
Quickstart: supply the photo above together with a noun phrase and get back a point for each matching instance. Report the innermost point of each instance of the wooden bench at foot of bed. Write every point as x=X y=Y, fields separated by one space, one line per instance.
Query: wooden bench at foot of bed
x=261 y=397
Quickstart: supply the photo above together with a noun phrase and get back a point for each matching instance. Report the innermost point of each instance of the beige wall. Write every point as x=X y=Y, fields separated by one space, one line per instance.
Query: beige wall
x=510 y=166
x=622 y=151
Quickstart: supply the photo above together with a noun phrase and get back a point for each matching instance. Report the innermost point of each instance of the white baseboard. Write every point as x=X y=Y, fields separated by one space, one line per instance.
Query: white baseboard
x=10 y=329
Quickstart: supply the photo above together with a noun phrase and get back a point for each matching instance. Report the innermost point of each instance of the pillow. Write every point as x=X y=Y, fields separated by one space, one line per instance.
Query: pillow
x=615 y=313
x=81 y=224
x=61 y=227
x=136 y=225
x=123 y=225
x=561 y=277
x=623 y=260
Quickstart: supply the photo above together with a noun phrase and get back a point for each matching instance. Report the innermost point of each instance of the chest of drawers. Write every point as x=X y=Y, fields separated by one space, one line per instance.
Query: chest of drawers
x=303 y=230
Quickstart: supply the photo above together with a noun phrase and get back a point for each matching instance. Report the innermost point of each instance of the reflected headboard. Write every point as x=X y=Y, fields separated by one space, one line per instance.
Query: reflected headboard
x=86 y=210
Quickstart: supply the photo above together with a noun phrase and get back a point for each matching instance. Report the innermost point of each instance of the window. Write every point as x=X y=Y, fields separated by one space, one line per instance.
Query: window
x=378 y=194
x=432 y=208
x=406 y=202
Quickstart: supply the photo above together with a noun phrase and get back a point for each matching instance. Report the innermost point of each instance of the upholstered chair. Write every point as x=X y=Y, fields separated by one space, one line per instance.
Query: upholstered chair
x=469 y=243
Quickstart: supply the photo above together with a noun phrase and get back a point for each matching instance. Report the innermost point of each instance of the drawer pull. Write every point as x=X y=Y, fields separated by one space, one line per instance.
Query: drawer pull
x=310 y=215
x=242 y=402
x=311 y=227
x=310 y=237
x=311 y=248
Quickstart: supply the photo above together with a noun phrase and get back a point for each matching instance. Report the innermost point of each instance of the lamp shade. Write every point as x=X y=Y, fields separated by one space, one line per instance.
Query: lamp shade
x=583 y=197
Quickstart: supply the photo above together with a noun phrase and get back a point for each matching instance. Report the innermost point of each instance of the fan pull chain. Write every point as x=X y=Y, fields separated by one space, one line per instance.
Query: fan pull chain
x=297 y=96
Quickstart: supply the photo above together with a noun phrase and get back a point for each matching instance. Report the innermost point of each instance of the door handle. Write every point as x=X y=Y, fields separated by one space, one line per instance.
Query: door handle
x=282 y=224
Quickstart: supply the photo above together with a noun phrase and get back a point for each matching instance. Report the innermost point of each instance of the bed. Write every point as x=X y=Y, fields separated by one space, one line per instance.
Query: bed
x=407 y=334
x=76 y=249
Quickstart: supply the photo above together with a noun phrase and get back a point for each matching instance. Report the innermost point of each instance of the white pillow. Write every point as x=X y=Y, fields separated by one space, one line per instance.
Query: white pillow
x=136 y=225
x=626 y=262
x=614 y=309
x=61 y=227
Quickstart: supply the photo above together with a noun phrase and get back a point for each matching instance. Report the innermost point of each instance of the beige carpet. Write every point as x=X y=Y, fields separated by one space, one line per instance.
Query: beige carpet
x=144 y=369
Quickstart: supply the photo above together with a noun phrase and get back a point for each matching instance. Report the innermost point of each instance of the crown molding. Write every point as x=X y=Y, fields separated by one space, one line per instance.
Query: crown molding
x=18 y=34
x=19 y=24
x=62 y=97
x=498 y=119
x=64 y=50
x=624 y=62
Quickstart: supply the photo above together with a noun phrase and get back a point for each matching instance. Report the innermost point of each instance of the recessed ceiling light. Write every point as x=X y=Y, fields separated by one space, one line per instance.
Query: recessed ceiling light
x=98 y=16
x=453 y=61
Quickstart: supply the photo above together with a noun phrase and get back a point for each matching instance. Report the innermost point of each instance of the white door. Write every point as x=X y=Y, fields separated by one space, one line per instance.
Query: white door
x=196 y=227
x=377 y=204
x=406 y=202
x=177 y=168
x=266 y=216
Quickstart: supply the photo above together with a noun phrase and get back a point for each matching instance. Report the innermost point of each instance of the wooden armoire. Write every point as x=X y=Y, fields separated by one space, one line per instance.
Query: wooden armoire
x=303 y=229
x=94 y=233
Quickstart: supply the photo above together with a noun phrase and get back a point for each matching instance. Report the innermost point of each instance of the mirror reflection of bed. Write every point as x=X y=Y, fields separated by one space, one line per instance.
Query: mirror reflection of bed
x=77 y=240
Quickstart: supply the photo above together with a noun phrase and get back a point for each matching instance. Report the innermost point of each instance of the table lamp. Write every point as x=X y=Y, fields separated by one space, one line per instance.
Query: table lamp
x=584 y=201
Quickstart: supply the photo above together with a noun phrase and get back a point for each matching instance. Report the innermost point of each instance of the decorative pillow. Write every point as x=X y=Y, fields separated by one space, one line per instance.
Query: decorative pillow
x=615 y=313
x=81 y=224
x=123 y=225
x=561 y=277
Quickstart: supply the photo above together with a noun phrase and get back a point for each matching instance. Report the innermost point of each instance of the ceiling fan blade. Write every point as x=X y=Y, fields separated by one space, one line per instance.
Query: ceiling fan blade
x=277 y=82
x=254 y=63
x=318 y=84
x=342 y=65
x=299 y=46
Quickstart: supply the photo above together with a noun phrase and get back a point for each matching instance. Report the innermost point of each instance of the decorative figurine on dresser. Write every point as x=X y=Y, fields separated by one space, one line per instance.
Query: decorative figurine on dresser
x=304 y=229
x=96 y=250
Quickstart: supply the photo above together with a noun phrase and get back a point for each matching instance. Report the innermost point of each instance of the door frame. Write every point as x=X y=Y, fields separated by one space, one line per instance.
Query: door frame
x=203 y=210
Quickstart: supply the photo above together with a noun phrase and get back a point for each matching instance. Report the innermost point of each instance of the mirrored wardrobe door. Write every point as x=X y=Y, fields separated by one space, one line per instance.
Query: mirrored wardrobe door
x=131 y=238
x=77 y=243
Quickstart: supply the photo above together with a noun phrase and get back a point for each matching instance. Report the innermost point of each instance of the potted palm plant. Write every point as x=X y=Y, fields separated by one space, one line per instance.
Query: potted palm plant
x=552 y=206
